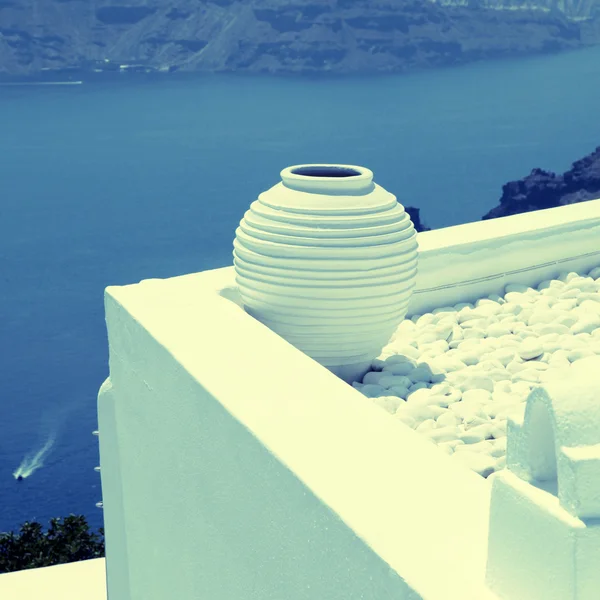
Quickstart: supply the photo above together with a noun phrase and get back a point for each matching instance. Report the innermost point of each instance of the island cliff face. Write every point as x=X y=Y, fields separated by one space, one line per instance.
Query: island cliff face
x=283 y=36
x=543 y=189
x=415 y=217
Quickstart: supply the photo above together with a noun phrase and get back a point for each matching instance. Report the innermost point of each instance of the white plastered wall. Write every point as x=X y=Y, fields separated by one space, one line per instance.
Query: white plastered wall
x=545 y=512
x=470 y=261
x=247 y=471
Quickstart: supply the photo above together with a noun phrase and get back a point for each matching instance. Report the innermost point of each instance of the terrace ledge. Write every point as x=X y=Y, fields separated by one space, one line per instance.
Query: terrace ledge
x=236 y=467
x=266 y=474
x=83 y=580
x=224 y=446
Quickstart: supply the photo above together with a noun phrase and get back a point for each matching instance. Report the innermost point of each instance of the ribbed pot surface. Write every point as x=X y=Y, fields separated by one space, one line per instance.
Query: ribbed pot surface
x=328 y=260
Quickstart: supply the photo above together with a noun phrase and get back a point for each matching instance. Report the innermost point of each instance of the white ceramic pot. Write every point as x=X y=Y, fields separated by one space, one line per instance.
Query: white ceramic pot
x=328 y=260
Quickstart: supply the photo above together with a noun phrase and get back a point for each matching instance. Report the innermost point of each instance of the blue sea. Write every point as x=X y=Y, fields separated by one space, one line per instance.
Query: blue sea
x=133 y=177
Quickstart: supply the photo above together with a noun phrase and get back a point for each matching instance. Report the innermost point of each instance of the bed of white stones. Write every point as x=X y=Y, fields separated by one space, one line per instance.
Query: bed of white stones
x=455 y=374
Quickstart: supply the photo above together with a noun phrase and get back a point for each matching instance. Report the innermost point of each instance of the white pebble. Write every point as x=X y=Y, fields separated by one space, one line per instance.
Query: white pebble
x=420 y=375
x=594 y=273
x=409 y=351
x=398 y=368
x=417 y=386
x=458 y=373
x=442 y=400
x=399 y=390
x=487 y=309
x=497 y=330
x=496 y=298
x=372 y=390
x=485 y=447
x=467 y=410
x=531 y=375
x=387 y=381
x=482 y=430
x=545 y=329
x=578 y=354
x=473 y=420
x=518 y=298
x=442 y=434
x=448 y=364
x=458 y=307
x=478 y=382
x=448 y=419
x=564 y=305
x=468 y=358
x=499 y=447
x=395 y=359
x=567 y=319
x=419 y=396
x=545 y=316
x=498 y=429
x=477 y=395
x=424 y=320
x=569 y=293
x=373 y=377
x=530 y=348
x=474 y=333
x=586 y=325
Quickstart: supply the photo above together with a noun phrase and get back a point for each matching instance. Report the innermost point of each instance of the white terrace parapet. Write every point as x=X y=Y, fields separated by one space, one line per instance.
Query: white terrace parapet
x=470 y=261
x=83 y=580
x=545 y=511
x=236 y=468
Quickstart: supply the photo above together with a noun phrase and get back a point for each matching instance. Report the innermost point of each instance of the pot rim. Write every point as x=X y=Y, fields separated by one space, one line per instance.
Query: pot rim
x=338 y=172
x=328 y=178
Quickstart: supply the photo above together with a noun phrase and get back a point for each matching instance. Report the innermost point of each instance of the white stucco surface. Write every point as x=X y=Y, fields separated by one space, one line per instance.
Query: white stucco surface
x=470 y=261
x=557 y=437
x=545 y=514
x=84 y=580
x=250 y=471
x=538 y=551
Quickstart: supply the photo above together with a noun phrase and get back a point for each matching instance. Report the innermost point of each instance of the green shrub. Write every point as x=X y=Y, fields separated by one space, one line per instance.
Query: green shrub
x=67 y=540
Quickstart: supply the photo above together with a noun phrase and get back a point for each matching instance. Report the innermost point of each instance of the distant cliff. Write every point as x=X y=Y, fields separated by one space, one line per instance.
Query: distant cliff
x=573 y=9
x=283 y=36
x=543 y=189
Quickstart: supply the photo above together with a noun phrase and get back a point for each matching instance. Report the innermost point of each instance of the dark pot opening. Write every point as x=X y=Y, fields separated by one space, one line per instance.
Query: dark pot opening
x=324 y=171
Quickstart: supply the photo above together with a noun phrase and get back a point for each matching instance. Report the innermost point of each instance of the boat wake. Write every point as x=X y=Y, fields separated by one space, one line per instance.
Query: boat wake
x=33 y=462
x=21 y=83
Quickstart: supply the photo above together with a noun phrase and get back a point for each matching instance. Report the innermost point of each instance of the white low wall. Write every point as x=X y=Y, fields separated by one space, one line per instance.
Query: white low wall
x=466 y=262
x=249 y=472
x=83 y=580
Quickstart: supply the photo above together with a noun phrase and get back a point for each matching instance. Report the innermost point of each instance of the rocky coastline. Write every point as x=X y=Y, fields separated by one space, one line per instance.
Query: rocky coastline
x=541 y=189
x=38 y=37
x=544 y=189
